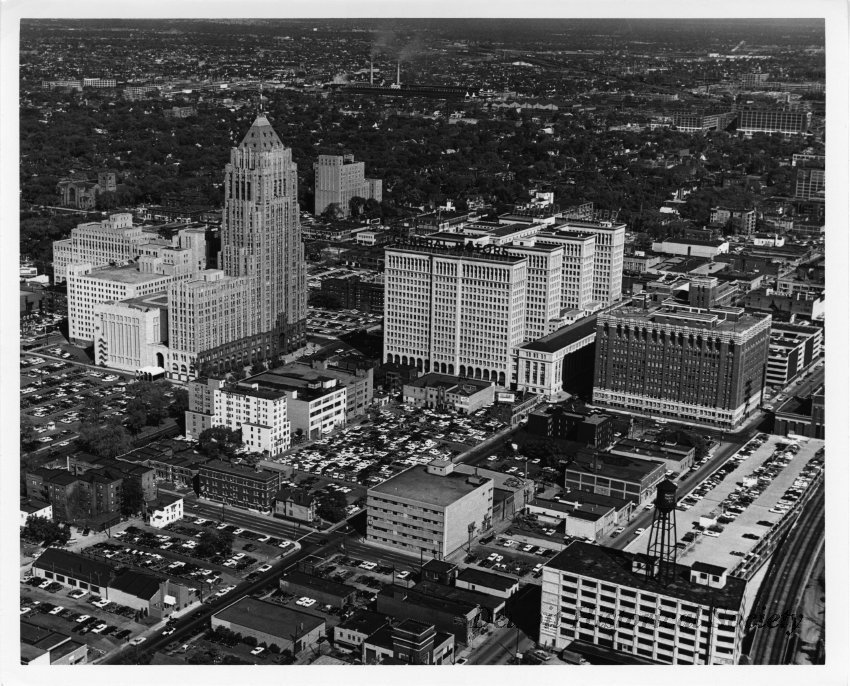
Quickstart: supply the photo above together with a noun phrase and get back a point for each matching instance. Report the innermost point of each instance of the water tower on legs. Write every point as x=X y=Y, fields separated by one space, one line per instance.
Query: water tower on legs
x=662 y=533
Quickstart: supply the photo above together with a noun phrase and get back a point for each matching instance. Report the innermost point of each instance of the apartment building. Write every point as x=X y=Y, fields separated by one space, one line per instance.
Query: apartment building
x=339 y=179
x=454 y=310
x=429 y=509
x=614 y=599
x=260 y=414
x=705 y=366
x=238 y=485
x=97 y=82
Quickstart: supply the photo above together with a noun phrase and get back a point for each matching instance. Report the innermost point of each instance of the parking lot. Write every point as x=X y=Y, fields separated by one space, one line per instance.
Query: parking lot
x=52 y=393
x=336 y=322
x=724 y=518
x=86 y=617
x=370 y=453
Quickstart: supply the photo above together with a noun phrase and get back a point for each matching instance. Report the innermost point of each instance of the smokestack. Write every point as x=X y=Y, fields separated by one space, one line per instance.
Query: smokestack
x=371 y=73
x=398 y=73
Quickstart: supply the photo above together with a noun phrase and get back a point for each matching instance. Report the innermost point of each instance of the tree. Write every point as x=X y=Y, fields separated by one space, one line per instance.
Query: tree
x=45 y=531
x=332 y=213
x=356 y=205
x=213 y=542
x=136 y=416
x=332 y=507
x=219 y=442
x=28 y=435
x=104 y=440
x=257 y=368
x=132 y=497
x=178 y=407
x=149 y=397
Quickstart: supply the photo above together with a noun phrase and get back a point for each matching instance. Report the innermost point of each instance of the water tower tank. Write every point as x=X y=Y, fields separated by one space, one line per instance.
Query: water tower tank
x=665 y=499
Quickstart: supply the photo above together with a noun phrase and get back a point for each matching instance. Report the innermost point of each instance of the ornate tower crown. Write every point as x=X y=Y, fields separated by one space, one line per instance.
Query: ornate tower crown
x=261 y=137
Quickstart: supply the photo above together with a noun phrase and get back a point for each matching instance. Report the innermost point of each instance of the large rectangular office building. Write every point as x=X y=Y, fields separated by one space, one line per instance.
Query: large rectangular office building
x=429 y=510
x=705 y=366
x=455 y=310
x=617 y=600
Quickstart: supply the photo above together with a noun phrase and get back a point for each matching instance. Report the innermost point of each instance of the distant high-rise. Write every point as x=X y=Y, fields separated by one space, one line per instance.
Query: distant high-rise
x=261 y=239
x=339 y=179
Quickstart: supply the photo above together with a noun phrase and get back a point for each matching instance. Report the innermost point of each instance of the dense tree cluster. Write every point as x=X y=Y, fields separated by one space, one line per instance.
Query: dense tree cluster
x=45 y=531
x=219 y=442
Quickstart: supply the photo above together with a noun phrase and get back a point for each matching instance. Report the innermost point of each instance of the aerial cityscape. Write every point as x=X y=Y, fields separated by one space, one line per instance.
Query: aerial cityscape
x=422 y=342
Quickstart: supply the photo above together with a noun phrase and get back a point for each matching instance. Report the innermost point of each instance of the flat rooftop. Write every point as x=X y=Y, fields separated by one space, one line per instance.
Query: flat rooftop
x=564 y=337
x=269 y=618
x=615 y=567
x=719 y=550
x=431 y=489
x=615 y=466
x=129 y=274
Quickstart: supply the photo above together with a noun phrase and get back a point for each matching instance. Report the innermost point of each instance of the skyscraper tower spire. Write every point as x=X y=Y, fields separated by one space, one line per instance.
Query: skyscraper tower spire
x=261 y=239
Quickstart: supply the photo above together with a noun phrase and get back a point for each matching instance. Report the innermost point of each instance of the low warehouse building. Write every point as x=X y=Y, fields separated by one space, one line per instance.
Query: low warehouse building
x=271 y=624
x=486 y=582
x=74 y=570
x=154 y=596
x=352 y=632
x=324 y=591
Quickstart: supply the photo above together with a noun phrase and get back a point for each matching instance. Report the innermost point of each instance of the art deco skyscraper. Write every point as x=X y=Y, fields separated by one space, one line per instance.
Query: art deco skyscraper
x=261 y=238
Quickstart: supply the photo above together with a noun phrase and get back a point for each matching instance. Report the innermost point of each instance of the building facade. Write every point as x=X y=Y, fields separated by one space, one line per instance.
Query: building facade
x=89 y=287
x=612 y=599
x=577 y=280
x=702 y=366
x=454 y=311
x=261 y=240
x=339 y=179
x=260 y=414
x=238 y=485
x=429 y=510
x=131 y=334
x=114 y=240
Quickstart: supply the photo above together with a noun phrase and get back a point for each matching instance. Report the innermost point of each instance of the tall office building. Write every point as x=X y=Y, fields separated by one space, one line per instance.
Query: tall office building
x=698 y=365
x=339 y=179
x=543 y=301
x=578 y=266
x=609 y=242
x=209 y=318
x=261 y=240
x=454 y=310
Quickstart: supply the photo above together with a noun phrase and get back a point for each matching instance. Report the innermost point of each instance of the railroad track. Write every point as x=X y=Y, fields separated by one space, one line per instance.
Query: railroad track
x=783 y=588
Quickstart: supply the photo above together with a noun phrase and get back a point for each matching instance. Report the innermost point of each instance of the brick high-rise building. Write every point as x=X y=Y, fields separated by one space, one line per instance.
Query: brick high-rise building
x=261 y=239
x=699 y=365
x=339 y=179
